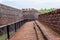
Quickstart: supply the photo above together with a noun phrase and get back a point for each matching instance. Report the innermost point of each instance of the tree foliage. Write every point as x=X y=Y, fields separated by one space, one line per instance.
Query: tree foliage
x=46 y=10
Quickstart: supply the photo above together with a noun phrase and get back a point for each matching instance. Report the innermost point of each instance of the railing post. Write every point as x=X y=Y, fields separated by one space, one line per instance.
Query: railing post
x=8 y=36
x=19 y=24
x=15 y=27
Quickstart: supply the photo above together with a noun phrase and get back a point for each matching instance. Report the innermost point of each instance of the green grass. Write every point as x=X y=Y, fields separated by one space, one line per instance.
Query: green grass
x=4 y=36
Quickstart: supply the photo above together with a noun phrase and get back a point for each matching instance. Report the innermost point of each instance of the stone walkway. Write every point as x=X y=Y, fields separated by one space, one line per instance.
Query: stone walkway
x=27 y=32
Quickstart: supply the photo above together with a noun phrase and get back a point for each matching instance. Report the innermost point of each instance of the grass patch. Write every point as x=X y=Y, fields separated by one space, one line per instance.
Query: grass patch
x=4 y=36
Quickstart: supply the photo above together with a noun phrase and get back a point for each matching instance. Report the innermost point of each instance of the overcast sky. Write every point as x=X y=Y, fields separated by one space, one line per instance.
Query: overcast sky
x=37 y=4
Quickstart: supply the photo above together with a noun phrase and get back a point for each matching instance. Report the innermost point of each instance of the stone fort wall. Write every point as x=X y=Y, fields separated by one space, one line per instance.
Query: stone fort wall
x=9 y=14
x=52 y=18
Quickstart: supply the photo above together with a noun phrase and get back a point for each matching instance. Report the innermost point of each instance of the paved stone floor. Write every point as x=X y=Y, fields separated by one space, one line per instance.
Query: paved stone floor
x=27 y=32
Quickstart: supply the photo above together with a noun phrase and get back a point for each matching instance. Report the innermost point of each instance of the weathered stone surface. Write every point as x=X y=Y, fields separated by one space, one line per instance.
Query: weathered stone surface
x=52 y=18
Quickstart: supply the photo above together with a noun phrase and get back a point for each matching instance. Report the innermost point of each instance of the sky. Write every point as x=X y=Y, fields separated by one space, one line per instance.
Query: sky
x=37 y=4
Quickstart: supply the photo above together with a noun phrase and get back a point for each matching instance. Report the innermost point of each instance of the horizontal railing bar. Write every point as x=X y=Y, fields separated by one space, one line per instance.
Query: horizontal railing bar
x=10 y=23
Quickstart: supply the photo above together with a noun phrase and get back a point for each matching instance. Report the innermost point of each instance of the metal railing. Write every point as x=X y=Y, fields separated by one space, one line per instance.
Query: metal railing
x=7 y=31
